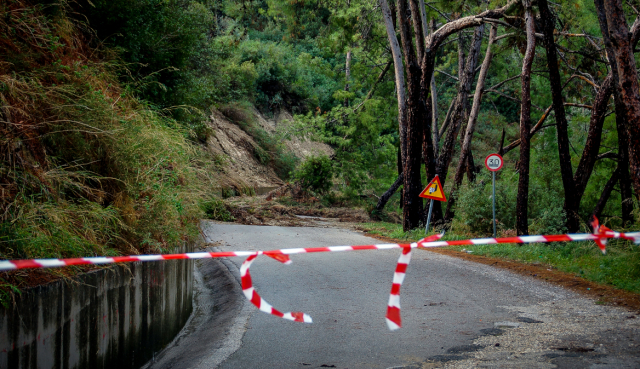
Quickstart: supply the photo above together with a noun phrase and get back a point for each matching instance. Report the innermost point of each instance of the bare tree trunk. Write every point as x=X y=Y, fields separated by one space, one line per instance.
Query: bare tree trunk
x=471 y=167
x=606 y=192
x=378 y=80
x=463 y=163
x=627 y=83
x=412 y=160
x=423 y=17
x=387 y=195
x=418 y=27
x=621 y=116
x=624 y=178
x=399 y=72
x=457 y=116
x=434 y=97
x=522 y=212
x=562 y=127
x=400 y=88
x=347 y=73
x=446 y=153
x=594 y=136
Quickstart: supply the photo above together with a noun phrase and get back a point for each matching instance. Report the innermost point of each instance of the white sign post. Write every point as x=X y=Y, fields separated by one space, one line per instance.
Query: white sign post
x=494 y=162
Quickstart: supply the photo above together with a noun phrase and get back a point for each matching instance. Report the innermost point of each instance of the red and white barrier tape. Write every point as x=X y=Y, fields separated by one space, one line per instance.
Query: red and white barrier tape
x=252 y=295
x=600 y=236
x=6 y=265
x=393 y=307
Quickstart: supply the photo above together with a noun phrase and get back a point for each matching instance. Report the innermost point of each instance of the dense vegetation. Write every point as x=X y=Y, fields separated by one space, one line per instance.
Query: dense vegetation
x=104 y=106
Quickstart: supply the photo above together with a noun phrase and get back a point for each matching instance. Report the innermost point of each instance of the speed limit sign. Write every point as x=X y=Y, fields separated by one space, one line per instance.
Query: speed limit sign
x=493 y=162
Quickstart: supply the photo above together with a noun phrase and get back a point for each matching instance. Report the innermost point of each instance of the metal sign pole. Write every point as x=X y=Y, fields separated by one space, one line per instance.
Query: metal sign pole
x=426 y=229
x=494 y=204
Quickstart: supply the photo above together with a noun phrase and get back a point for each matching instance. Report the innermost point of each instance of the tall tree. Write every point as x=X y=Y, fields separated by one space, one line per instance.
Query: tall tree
x=562 y=127
x=522 y=211
x=465 y=150
x=621 y=114
x=627 y=85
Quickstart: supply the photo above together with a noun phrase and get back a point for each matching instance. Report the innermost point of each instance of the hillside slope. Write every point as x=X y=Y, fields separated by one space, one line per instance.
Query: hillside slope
x=239 y=150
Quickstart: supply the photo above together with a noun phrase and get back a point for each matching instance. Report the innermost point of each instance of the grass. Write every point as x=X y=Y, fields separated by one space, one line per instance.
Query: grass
x=86 y=168
x=620 y=267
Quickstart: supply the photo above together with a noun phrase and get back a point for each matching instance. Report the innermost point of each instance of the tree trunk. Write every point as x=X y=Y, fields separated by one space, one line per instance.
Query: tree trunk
x=627 y=83
x=465 y=150
x=592 y=146
x=562 y=127
x=434 y=98
x=624 y=178
x=471 y=167
x=621 y=116
x=418 y=27
x=400 y=88
x=347 y=72
x=412 y=160
x=380 y=77
x=606 y=192
x=387 y=195
x=522 y=212
x=446 y=153
x=457 y=116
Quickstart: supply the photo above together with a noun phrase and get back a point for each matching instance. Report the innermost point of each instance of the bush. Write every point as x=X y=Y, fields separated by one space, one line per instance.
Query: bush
x=215 y=209
x=315 y=174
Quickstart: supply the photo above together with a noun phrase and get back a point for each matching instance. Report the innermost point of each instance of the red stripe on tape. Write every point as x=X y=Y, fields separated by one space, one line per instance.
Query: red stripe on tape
x=401 y=268
x=395 y=289
x=255 y=299
x=175 y=256
x=26 y=264
x=509 y=240
x=365 y=247
x=298 y=316
x=124 y=259
x=393 y=314
x=460 y=242
x=318 y=249
x=557 y=238
x=246 y=281
x=76 y=261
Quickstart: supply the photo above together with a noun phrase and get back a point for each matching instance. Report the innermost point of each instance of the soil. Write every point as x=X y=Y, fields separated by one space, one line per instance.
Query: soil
x=606 y=295
x=308 y=212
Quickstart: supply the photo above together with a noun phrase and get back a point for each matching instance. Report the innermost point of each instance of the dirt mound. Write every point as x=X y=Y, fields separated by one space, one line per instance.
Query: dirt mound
x=300 y=147
x=237 y=148
x=259 y=211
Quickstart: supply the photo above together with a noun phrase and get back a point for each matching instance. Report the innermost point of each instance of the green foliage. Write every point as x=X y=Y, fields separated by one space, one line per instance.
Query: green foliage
x=315 y=174
x=215 y=209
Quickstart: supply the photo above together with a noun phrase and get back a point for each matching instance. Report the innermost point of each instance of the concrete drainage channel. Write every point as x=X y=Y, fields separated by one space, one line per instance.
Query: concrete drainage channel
x=112 y=317
x=217 y=323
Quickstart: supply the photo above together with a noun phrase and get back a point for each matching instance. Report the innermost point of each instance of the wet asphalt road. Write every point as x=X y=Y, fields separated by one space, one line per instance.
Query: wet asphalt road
x=446 y=304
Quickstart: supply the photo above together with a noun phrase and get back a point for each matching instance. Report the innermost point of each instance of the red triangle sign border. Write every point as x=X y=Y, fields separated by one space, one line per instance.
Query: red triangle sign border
x=426 y=195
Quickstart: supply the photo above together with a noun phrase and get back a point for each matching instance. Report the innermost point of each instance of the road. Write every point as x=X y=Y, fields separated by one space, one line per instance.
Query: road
x=455 y=313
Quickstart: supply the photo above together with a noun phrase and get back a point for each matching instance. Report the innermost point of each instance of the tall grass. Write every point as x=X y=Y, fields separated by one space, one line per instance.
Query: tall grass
x=85 y=167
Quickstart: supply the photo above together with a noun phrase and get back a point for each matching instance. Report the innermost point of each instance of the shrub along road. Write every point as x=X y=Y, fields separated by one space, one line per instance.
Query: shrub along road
x=455 y=313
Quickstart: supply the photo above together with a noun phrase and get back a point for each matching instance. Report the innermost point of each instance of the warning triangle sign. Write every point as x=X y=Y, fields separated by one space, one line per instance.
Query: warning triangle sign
x=434 y=190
